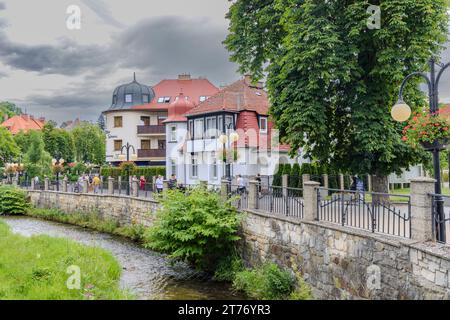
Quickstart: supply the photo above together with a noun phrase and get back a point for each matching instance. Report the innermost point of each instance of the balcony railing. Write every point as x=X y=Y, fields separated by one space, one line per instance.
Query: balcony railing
x=151 y=129
x=151 y=153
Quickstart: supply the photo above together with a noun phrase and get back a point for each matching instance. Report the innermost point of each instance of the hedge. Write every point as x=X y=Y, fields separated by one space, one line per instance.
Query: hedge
x=147 y=172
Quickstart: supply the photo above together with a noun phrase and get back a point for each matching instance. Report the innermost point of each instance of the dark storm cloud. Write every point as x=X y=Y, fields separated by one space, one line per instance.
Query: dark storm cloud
x=66 y=58
x=102 y=10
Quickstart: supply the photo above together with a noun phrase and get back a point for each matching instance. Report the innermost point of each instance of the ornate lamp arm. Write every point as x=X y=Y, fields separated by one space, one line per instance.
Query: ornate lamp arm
x=421 y=74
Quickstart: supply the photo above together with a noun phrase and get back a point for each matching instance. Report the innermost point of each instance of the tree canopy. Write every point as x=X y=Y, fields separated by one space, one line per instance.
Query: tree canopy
x=58 y=142
x=332 y=80
x=8 y=147
x=90 y=143
x=8 y=109
x=37 y=161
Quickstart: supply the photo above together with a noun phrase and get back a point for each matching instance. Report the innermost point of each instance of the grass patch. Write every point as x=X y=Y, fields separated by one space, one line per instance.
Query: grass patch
x=134 y=232
x=35 y=268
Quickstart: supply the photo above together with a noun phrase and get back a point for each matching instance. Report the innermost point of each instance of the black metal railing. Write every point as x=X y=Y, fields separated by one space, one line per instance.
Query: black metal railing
x=239 y=196
x=279 y=200
x=441 y=222
x=376 y=212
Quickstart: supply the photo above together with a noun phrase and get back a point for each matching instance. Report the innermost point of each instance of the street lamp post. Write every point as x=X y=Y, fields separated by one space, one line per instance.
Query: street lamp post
x=57 y=162
x=128 y=147
x=401 y=112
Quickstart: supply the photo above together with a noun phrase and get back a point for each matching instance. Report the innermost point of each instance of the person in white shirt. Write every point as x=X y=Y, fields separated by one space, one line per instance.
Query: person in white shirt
x=159 y=184
x=241 y=184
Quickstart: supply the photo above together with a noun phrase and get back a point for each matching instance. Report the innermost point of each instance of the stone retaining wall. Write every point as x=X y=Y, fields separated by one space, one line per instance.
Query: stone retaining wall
x=344 y=263
x=126 y=210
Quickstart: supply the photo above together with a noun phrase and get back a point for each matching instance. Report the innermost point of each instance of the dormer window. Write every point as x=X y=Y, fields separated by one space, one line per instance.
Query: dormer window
x=203 y=98
x=164 y=100
x=128 y=98
x=263 y=125
x=114 y=99
x=145 y=98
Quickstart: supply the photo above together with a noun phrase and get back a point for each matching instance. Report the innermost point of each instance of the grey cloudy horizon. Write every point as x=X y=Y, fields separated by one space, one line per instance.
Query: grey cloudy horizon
x=49 y=70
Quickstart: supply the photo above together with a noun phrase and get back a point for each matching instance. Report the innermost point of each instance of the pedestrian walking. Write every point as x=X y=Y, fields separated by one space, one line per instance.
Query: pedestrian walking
x=173 y=182
x=159 y=184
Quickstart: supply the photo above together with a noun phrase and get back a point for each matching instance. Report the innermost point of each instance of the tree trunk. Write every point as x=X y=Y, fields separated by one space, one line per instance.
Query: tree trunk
x=380 y=184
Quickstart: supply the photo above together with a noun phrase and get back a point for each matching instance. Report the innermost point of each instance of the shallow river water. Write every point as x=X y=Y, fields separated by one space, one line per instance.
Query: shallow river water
x=147 y=274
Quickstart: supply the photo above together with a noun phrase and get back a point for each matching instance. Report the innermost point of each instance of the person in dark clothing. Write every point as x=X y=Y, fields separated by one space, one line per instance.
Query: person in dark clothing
x=172 y=184
x=258 y=179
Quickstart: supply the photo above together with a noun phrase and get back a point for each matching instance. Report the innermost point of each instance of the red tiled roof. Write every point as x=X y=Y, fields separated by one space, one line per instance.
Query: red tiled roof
x=192 y=88
x=178 y=108
x=239 y=96
x=24 y=123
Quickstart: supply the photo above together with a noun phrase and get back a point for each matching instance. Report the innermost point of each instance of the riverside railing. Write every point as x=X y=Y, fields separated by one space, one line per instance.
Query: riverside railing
x=376 y=212
x=440 y=225
x=280 y=200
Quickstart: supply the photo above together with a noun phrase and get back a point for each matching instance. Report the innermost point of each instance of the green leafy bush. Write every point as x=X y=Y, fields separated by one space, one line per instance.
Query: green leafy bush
x=13 y=200
x=267 y=282
x=198 y=227
x=228 y=267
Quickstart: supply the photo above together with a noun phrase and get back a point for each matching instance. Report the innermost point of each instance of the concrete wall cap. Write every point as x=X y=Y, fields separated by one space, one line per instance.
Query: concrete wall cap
x=311 y=183
x=423 y=179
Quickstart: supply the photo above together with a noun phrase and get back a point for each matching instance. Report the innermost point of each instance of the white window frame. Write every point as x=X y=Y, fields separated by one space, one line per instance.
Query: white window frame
x=203 y=98
x=199 y=130
x=161 y=100
x=211 y=127
x=191 y=129
x=173 y=133
x=173 y=166
x=128 y=98
x=263 y=120
x=194 y=167
x=214 y=169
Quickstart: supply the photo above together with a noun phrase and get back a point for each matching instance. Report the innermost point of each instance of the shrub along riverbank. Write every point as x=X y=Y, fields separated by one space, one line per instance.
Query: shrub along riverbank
x=201 y=229
x=38 y=268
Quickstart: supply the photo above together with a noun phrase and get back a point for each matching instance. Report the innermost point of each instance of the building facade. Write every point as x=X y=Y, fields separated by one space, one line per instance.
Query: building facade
x=137 y=116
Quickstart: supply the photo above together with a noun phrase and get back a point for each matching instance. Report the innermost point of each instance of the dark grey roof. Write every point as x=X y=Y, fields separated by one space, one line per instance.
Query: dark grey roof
x=136 y=90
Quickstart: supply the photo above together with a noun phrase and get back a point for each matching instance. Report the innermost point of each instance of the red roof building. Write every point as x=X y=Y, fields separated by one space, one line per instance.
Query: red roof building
x=23 y=122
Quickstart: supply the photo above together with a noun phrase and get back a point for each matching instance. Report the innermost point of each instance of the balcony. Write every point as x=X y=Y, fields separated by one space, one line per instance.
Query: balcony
x=151 y=153
x=151 y=130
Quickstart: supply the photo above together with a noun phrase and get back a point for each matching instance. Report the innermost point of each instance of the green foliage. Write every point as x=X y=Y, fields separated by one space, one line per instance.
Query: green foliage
x=13 y=200
x=8 y=109
x=35 y=268
x=37 y=161
x=332 y=81
x=8 y=147
x=147 y=172
x=268 y=282
x=228 y=266
x=198 y=228
x=90 y=143
x=22 y=140
x=59 y=143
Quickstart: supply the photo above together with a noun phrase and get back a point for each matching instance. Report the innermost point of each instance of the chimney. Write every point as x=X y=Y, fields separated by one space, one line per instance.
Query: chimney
x=42 y=119
x=184 y=76
x=249 y=82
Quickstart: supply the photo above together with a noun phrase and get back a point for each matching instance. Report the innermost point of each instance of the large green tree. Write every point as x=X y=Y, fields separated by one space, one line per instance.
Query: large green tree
x=58 y=142
x=90 y=143
x=37 y=161
x=332 y=80
x=8 y=148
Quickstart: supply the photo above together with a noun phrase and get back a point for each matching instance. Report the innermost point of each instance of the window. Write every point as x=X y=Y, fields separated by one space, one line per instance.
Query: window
x=211 y=127
x=263 y=125
x=118 y=122
x=191 y=129
x=162 y=144
x=145 y=144
x=117 y=145
x=194 y=167
x=198 y=134
x=164 y=100
x=229 y=123
x=145 y=120
x=114 y=99
x=214 y=168
x=145 y=98
x=173 y=166
x=220 y=124
x=203 y=98
x=173 y=133
x=128 y=98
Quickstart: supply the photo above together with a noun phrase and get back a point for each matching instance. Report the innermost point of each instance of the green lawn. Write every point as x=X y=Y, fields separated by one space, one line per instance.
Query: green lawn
x=35 y=268
x=407 y=191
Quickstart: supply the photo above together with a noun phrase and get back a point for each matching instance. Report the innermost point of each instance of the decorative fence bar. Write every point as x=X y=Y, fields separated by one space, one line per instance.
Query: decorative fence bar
x=279 y=200
x=441 y=224
x=376 y=212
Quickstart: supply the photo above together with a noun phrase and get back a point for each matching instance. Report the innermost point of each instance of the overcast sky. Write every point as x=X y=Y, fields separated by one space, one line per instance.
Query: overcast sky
x=62 y=74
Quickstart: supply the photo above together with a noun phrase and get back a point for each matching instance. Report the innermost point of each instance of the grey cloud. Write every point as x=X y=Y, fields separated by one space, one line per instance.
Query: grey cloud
x=102 y=10
x=3 y=74
x=67 y=58
x=2 y=6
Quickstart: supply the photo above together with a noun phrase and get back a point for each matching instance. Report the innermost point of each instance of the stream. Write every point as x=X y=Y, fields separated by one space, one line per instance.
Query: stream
x=147 y=274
